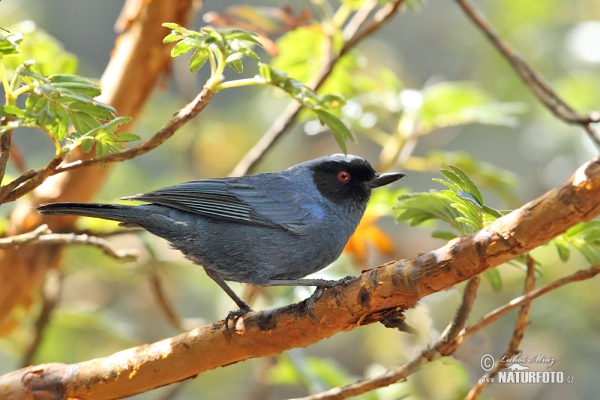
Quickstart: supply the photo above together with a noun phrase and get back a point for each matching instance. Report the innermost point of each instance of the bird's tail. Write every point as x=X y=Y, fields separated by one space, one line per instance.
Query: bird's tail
x=115 y=212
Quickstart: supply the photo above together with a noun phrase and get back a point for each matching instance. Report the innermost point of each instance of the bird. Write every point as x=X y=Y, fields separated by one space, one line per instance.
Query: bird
x=269 y=229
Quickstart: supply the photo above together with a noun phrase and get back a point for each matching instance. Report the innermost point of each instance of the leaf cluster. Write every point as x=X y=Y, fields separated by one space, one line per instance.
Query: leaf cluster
x=228 y=46
x=55 y=102
x=461 y=206
x=320 y=105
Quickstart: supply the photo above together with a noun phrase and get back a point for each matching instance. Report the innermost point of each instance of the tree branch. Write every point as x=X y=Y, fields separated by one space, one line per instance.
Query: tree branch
x=43 y=236
x=178 y=119
x=5 y=141
x=520 y=327
x=28 y=181
x=442 y=347
x=50 y=298
x=542 y=90
x=397 y=284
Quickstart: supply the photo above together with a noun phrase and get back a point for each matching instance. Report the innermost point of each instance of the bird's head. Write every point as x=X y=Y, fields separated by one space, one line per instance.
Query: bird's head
x=346 y=178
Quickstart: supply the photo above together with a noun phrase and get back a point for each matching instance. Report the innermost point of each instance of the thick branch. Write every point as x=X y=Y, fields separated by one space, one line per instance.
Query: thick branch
x=397 y=284
x=442 y=347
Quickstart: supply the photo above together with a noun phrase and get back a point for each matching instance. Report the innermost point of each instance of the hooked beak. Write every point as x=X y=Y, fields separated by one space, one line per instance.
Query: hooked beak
x=384 y=179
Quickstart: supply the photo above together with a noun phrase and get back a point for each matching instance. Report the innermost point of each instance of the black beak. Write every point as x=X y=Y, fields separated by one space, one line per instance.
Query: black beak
x=384 y=179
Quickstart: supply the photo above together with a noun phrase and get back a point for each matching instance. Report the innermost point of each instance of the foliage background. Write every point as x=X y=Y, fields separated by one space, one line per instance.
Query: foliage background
x=108 y=306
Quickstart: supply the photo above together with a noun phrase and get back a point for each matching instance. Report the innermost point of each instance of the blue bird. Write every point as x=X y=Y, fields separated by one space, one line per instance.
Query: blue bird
x=267 y=230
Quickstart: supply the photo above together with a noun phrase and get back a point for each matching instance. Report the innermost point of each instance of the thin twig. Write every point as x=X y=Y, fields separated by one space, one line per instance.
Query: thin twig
x=28 y=181
x=535 y=81
x=287 y=119
x=24 y=238
x=492 y=316
x=163 y=302
x=178 y=119
x=520 y=327
x=42 y=235
x=5 y=141
x=32 y=179
x=50 y=298
x=442 y=347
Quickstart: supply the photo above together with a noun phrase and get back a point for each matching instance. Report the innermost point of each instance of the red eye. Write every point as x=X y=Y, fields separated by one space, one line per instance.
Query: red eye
x=343 y=176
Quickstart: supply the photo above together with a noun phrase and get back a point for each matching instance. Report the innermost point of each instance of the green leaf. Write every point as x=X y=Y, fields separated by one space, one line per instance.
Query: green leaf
x=126 y=137
x=35 y=103
x=30 y=71
x=197 y=60
x=563 y=251
x=95 y=109
x=467 y=184
x=183 y=47
x=109 y=127
x=468 y=197
x=461 y=207
x=11 y=111
x=340 y=131
x=444 y=235
x=301 y=51
x=417 y=208
x=239 y=34
x=486 y=175
x=86 y=144
x=75 y=84
x=235 y=62
x=9 y=44
x=172 y=37
x=83 y=122
x=585 y=237
x=172 y=25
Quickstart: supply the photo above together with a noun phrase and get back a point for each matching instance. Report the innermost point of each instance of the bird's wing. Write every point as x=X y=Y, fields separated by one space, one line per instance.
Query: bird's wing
x=232 y=199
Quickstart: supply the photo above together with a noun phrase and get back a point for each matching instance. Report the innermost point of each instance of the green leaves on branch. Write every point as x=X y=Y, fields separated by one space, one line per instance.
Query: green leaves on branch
x=320 y=105
x=585 y=237
x=9 y=44
x=104 y=137
x=226 y=47
x=461 y=206
x=56 y=101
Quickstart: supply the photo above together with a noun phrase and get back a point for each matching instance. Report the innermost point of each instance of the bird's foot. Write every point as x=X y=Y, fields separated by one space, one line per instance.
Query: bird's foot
x=310 y=302
x=235 y=315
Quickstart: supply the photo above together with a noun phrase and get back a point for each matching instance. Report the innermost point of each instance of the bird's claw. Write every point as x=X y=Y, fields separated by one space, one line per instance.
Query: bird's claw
x=234 y=315
x=310 y=302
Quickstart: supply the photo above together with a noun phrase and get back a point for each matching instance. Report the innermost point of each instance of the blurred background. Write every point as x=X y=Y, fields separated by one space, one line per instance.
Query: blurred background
x=430 y=49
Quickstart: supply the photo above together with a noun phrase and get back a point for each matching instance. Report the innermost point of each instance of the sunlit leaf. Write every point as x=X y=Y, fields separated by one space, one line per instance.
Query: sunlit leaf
x=9 y=44
x=340 y=131
x=197 y=60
